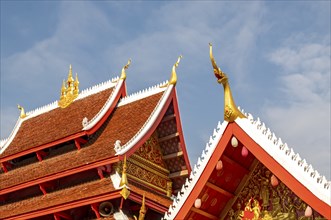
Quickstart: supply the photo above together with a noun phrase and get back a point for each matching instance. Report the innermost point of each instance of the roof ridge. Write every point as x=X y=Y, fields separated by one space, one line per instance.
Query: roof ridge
x=11 y=135
x=198 y=168
x=288 y=158
x=143 y=93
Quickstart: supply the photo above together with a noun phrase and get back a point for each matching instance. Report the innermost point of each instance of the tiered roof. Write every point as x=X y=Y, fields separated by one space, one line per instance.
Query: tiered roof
x=97 y=119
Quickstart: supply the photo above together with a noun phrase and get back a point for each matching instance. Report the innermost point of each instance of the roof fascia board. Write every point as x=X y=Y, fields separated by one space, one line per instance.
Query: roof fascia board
x=181 y=134
x=201 y=172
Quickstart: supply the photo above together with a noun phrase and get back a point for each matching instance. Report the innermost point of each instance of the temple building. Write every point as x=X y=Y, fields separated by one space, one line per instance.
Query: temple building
x=101 y=153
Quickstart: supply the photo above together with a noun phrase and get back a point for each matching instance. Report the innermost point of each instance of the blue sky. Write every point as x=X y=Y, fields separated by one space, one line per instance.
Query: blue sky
x=276 y=53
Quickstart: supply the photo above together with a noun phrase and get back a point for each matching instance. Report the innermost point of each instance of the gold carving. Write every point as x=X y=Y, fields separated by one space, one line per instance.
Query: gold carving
x=123 y=74
x=231 y=111
x=261 y=200
x=124 y=180
x=22 y=114
x=151 y=151
x=70 y=91
x=169 y=188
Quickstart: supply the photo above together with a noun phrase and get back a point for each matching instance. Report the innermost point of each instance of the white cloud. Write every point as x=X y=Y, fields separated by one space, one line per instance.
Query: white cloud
x=305 y=90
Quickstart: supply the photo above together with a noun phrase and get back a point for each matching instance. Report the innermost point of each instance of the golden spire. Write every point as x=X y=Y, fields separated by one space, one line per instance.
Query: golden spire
x=124 y=181
x=143 y=210
x=123 y=74
x=22 y=115
x=70 y=91
x=231 y=111
x=76 y=86
x=173 y=79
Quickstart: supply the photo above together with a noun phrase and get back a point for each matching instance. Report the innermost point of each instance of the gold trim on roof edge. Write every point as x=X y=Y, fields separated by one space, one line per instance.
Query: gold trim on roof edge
x=231 y=112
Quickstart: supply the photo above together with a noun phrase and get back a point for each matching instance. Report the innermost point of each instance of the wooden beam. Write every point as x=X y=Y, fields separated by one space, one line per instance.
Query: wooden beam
x=168 y=117
x=173 y=155
x=178 y=174
x=204 y=213
x=168 y=137
x=231 y=161
x=219 y=189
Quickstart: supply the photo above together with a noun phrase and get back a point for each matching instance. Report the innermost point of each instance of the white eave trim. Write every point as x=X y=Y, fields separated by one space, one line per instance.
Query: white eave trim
x=195 y=174
x=150 y=121
x=287 y=158
x=91 y=123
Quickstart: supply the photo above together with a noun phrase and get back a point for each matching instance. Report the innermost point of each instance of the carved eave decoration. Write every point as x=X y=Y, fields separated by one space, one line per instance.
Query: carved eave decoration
x=123 y=73
x=69 y=90
x=124 y=181
x=173 y=77
x=22 y=114
x=231 y=111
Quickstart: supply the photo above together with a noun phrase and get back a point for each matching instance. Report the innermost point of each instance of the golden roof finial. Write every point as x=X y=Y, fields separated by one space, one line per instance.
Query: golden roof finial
x=173 y=79
x=231 y=112
x=22 y=115
x=123 y=74
x=69 y=92
x=143 y=210
x=76 y=86
x=70 y=78
x=124 y=181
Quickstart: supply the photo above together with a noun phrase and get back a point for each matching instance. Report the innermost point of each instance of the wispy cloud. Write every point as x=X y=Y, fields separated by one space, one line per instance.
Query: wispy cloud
x=304 y=116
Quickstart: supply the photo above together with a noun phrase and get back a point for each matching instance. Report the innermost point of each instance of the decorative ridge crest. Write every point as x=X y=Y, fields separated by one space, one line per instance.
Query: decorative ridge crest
x=123 y=73
x=231 y=111
x=195 y=174
x=143 y=93
x=300 y=169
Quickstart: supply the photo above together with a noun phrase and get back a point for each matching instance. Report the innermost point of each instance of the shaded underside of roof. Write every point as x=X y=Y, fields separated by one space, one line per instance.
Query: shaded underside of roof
x=122 y=124
x=247 y=175
x=57 y=123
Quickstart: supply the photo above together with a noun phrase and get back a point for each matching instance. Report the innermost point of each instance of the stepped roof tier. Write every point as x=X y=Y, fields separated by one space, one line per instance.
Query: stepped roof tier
x=246 y=172
x=74 y=165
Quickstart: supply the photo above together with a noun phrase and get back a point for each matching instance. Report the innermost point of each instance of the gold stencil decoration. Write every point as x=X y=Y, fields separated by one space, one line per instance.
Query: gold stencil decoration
x=69 y=90
x=260 y=200
x=151 y=151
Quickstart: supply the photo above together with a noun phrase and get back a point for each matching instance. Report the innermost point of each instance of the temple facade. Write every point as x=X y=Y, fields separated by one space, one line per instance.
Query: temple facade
x=101 y=153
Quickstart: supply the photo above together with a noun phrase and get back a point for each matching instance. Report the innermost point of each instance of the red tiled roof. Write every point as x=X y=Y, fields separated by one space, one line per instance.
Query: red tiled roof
x=57 y=123
x=123 y=124
x=67 y=195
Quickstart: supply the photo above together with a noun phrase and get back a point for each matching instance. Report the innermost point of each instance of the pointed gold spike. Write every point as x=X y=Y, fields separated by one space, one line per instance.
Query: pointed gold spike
x=22 y=114
x=173 y=79
x=143 y=209
x=123 y=74
x=124 y=179
x=231 y=112
x=76 y=86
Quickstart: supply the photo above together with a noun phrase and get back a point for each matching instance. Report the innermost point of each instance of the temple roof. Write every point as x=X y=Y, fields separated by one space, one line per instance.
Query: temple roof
x=51 y=123
x=261 y=144
x=126 y=121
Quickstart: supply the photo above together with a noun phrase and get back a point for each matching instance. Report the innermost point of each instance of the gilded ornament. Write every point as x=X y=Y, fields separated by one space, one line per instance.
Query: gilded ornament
x=22 y=114
x=69 y=90
x=123 y=73
x=231 y=111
